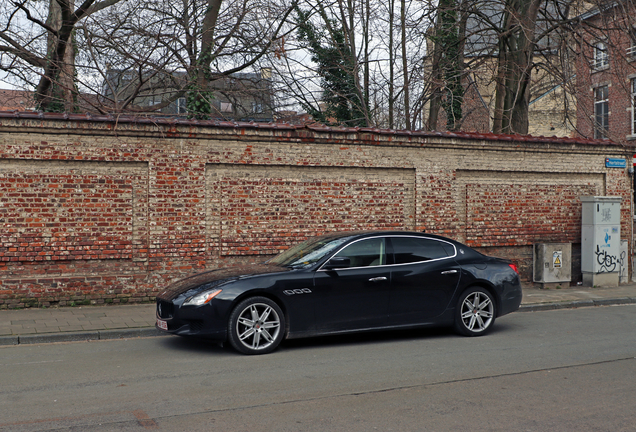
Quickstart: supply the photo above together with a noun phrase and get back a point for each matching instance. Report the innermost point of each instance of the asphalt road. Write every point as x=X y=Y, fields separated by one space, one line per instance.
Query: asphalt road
x=560 y=370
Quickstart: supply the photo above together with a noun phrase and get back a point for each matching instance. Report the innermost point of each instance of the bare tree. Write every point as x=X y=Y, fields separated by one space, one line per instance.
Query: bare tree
x=124 y=50
x=326 y=31
x=517 y=40
x=185 y=47
x=406 y=62
x=391 y=95
x=448 y=69
x=39 y=42
x=378 y=57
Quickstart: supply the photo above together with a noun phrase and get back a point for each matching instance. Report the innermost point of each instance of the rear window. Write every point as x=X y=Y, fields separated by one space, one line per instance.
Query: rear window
x=412 y=249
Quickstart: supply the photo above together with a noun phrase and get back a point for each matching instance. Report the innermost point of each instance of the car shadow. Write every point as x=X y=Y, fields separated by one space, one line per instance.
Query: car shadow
x=194 y=345
x=370 y=337
x=505 y=326
x=387 y=336
x=206 y=346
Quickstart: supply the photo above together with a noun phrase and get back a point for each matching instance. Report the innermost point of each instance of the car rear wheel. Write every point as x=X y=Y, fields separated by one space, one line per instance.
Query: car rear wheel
x=475 y=313
x=257 y=326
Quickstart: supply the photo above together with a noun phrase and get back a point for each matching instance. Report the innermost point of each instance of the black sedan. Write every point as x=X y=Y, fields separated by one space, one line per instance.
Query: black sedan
x=341 y=283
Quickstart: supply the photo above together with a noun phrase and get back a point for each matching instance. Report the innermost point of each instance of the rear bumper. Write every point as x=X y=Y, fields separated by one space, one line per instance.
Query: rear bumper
x=511 y=300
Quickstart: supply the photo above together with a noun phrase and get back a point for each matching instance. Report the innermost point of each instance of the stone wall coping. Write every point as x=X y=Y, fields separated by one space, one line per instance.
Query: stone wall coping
x=170 y=127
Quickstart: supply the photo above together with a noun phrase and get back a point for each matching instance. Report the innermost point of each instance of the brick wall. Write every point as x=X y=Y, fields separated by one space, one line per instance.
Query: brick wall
x=527 y=213
x=103 y=210
x=262 y=210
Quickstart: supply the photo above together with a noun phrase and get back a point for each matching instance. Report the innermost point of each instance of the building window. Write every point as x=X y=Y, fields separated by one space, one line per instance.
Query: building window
x=226 y=107
x=257 y=107
x=633 y=106
x=631 y=51
x=601 y=112
x=601 y=55
x=181 y=106
x=154 y=100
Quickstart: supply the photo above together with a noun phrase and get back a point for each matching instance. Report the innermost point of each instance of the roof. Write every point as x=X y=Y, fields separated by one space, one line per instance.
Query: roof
x=16 y=100
x=601 y=7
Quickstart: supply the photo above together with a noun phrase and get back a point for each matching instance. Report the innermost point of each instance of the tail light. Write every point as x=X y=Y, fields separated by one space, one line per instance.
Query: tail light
x=514 y=267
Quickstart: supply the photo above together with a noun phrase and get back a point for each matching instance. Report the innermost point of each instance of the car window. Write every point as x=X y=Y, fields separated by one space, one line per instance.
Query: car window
x=308 y=252
x=365 y=253
x=411 y=249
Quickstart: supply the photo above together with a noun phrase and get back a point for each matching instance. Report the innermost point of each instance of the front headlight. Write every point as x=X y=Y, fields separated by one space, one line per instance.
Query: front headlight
x=202 y=298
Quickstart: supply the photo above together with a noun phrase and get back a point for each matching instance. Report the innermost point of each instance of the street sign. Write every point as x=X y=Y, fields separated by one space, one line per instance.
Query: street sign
x=615 y=163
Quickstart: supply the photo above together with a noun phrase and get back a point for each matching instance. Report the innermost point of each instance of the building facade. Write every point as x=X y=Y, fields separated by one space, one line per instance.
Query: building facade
x=239 y=96
x=606 y=73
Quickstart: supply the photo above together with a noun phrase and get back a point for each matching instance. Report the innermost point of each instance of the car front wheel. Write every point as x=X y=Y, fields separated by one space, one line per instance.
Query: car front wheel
x=257 y=326
x=475 y=314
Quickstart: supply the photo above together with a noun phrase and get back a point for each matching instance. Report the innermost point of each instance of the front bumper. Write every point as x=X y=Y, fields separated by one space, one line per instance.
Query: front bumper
x=202 y=321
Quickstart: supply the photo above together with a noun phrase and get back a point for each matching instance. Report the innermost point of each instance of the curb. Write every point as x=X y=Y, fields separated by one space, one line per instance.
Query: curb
x=576 y=304
x=80 y=336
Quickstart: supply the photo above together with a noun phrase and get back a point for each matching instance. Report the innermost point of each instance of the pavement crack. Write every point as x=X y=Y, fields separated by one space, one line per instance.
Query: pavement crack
x=389 y=389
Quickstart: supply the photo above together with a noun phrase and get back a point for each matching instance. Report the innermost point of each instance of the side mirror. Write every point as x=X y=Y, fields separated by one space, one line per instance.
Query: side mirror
x=337 y=262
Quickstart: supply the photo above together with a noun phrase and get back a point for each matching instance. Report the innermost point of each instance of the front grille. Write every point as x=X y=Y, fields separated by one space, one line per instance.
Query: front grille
x=165 y=309
x=196 y=325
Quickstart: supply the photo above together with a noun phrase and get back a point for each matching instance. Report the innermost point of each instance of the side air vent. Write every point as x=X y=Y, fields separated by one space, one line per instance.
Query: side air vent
x=165 y=309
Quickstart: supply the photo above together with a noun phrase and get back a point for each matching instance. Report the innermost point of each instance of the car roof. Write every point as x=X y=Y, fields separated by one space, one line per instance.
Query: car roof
x=373 y=233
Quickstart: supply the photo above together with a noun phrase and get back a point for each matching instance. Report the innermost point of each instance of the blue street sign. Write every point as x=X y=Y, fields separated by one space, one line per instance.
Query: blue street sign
x=615 y=163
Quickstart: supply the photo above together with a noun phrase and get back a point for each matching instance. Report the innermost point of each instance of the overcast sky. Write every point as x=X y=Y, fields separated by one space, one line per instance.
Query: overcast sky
x=3 y=84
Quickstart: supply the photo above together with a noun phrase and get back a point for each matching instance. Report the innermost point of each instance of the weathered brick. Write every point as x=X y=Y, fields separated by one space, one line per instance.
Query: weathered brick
x=126 y=209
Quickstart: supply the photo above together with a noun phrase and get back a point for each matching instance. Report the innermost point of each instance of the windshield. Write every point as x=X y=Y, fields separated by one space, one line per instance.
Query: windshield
x=309 y=252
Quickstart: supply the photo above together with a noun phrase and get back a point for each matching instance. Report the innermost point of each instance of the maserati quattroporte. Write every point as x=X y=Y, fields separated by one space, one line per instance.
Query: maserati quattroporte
x=342 y=283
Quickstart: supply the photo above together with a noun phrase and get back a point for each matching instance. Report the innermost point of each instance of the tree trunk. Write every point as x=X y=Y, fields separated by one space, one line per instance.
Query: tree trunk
x=391 y=65
x=367 y=21
x=198 y=99
x=451 y=63
x=358 y=100
x=56 y=89
x=514 y=66
x=436 y=90
x=447 y=67
x=407 y=108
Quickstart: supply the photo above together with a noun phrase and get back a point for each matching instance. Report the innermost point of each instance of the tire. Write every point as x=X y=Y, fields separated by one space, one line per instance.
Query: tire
x=256 y=326
x=475 y=313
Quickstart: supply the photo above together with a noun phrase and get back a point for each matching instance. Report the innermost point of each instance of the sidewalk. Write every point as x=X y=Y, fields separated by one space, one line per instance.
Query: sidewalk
x=30 y=326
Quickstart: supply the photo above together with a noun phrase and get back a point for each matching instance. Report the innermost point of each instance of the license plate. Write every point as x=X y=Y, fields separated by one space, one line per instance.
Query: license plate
x=163 y=325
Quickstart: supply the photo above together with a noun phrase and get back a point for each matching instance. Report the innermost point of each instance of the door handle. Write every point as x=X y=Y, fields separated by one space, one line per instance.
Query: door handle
x=449 y=272
x=377 y=279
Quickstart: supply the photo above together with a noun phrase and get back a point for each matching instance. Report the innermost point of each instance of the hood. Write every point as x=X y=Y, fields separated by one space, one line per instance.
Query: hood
x=217 y=277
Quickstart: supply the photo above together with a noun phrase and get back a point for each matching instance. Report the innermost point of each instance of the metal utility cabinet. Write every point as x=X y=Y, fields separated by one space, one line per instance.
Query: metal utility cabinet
x=600 y=240
x=552 y=264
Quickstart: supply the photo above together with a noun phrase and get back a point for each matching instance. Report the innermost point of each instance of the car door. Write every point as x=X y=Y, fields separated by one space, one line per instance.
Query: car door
x=295 y=289
x=355 y=297
x=424 y=278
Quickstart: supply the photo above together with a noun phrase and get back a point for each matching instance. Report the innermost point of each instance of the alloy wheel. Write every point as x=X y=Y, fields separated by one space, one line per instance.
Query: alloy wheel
x=257 y=328
x=477 y=311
